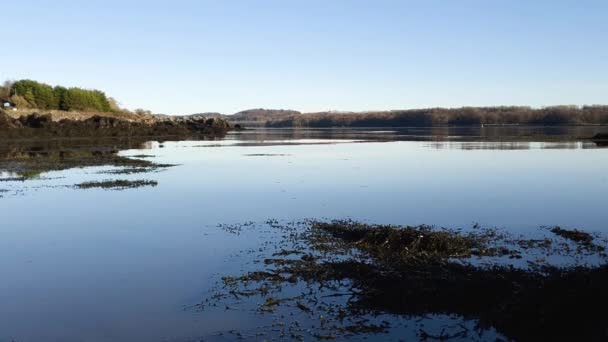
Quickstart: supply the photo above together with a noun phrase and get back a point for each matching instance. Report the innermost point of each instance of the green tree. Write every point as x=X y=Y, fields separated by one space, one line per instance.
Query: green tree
x=60 y=94
x=43 y=96
x=38 y=95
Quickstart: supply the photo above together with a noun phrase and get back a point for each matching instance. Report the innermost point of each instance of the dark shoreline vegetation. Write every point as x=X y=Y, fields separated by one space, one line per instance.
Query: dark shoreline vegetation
x=431 y=117
x=342 y=274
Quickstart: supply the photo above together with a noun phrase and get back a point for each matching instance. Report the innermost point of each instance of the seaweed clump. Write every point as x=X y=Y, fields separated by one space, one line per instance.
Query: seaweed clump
x=582 y=239
x=421 y=271
x=391 y=244
x=574 y=235
x=119 y=184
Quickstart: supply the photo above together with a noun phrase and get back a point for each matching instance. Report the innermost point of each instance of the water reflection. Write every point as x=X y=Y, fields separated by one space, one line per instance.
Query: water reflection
x=122 y=265
x=511 y=145
x=58 y=154
x=499 y=137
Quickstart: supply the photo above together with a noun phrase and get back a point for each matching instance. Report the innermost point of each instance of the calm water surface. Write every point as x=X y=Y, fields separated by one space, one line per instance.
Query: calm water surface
x=103 y=265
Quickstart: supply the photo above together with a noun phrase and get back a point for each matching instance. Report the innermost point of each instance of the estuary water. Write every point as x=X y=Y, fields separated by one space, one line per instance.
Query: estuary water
x=129 y=264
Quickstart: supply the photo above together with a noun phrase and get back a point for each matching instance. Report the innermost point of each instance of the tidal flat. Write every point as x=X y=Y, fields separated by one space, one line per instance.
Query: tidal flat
x=306 y=234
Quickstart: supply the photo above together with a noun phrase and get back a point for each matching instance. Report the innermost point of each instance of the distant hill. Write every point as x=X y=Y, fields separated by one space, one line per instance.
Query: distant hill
x=206 y=114
x=257 y=115
x=261 y=114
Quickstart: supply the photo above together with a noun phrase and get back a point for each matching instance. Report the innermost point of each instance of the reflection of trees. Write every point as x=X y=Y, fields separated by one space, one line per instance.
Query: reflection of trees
x=493 y=137
x=509 y=145
x=60 y=154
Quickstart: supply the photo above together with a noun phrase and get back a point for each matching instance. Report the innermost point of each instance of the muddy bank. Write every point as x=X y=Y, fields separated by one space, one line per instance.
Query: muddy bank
x=43 y=126
x=342 y=274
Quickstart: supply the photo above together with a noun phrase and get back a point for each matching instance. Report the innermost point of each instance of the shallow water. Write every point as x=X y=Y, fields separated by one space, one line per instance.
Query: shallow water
x=108 y=265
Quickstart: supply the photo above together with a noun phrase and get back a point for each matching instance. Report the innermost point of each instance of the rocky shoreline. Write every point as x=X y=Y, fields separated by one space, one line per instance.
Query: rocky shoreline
x=43 y=126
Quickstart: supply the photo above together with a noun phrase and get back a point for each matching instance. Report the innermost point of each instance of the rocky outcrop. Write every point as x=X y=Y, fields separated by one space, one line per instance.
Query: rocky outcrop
x=600 y=139
x=37 y=125
x=6 y=122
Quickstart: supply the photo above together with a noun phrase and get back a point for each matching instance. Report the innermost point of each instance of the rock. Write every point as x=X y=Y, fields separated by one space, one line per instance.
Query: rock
x=6 y=121
x=102 y=122
x=600 y=136
x=36 y=125
x=217 y=123
x=36 y=120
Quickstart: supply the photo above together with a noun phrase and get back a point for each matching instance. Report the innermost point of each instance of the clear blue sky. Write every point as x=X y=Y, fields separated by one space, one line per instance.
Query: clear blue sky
x=183 y=57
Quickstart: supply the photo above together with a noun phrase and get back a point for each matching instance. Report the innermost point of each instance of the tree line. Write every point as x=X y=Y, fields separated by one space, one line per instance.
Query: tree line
x=466 y=116
x=33 y=94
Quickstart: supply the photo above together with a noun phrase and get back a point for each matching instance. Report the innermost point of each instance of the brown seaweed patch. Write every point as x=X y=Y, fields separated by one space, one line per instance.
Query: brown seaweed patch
x=141 y=156
x=266 y=155
x=346 y=272
x=574 y=235
x=13 y=179
x=133 y=170
x=128 y=171
x=119 y=184
x=583 y=239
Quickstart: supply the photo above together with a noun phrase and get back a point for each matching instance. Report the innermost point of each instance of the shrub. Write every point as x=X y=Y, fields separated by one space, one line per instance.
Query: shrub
x=33 y=94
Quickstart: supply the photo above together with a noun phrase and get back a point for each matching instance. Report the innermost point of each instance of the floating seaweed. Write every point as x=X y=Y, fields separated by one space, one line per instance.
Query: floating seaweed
x=119 y=184
x=343 y=275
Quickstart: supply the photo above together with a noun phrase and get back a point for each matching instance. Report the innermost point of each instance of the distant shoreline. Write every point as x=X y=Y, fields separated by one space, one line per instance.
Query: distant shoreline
x=473 y=116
